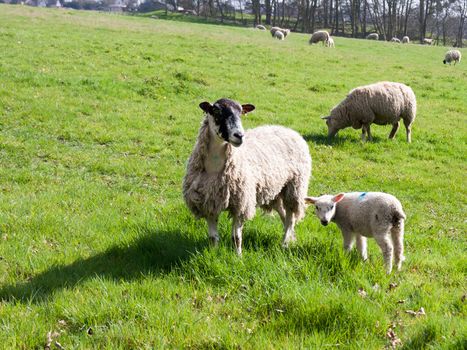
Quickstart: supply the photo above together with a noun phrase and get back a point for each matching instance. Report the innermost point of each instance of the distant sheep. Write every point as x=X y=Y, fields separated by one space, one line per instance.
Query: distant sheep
x=236 y=171
x=395 y=40
x=452 y=55
x=273 y=30
x=381 y=103
x=260 y=27
x=373 y=36
x=427 y=41
x=366 y=214
x=405 y=40
x=320 y=35
x=330 y=42
x=279 y=35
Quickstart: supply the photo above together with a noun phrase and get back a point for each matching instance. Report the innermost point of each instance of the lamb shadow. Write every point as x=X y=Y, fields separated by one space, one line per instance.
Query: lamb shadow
x=153 y=251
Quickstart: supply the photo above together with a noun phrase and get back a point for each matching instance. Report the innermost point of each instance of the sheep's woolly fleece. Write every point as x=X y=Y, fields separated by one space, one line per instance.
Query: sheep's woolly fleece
x=273 y=164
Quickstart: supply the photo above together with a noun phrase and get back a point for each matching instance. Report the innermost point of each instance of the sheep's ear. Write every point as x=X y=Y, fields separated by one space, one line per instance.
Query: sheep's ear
x=310 y=200
x=338 y=198
x=326 y=117
x=206 y=106
x=247 y=108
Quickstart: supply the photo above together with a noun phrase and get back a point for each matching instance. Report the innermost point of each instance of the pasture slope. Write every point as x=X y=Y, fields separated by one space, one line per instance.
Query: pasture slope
x=98 y=115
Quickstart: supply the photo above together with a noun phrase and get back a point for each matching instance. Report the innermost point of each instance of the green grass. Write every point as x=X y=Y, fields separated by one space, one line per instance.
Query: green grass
x=98 y=115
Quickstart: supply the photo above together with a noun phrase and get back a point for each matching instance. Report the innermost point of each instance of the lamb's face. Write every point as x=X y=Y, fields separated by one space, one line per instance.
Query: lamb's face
x=325 y=206
x=224 y=119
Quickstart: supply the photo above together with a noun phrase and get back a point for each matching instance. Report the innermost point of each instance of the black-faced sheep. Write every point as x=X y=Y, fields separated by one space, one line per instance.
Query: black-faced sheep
x=373 y=36
x=230 y=169
x=381 y=103
x=452 y=55
x=320 y=35
x=366 y=214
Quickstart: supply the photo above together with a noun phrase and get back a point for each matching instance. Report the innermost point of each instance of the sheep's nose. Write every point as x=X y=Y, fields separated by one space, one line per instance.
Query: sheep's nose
x=324 y=222
x=239 y=135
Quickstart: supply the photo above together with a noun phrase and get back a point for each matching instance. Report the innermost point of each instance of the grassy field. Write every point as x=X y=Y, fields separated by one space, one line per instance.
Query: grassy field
x=98 y=115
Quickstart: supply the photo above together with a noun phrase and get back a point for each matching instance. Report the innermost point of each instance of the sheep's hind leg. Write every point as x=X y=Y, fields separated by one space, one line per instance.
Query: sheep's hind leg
x=408 y=128
x=366 y=130
x=393 y=132
x=212 y=230
x=289 y=233
x=237 y=227
x=397 y=234
x=384 y=242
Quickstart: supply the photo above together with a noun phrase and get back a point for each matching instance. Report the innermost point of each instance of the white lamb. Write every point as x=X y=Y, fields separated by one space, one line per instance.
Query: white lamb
x=373 y=36
x=366 y=214
x=260 y=27
x=330 y=42
x=452 y=55
x=395 y=40
x=405 y=40
x=427 y=41
x=380 y=103
x=320 y=35
x=279 y=35
x=237 y=171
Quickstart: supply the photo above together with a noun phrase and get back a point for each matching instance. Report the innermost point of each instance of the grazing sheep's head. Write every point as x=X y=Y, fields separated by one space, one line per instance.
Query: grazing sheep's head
x=325 y=206
x=333 y=125
x=224 y=119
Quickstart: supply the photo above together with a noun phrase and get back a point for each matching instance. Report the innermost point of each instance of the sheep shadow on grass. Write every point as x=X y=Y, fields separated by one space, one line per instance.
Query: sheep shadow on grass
x=153 y=251
x=323 y=139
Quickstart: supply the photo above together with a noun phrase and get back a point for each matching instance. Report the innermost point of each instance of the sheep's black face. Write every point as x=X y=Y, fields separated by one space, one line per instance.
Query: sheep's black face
x=224 y=119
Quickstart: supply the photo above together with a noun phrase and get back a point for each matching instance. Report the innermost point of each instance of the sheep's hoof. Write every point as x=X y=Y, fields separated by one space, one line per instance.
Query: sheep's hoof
x=214 y=241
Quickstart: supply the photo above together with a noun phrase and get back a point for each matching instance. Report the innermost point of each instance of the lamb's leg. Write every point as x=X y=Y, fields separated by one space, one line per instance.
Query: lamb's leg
x=361 y=246
x=212 y=230
x=280 y=210
x=393 y=132
x=408 y=128
x=397 y=234
x=237 y=226
x=384 y=242
x=289 y=233
x=349 y=240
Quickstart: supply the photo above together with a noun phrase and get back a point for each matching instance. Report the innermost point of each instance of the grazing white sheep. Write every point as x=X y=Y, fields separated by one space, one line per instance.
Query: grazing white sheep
x=330 y=42
x=366 y=214
x=229 y=169
x=320 y=35
x=273 y=30
x=427 y=41
x=373 y=36
x=405 y=40
x=395 y=40
x=285 y=32
x=279 y=35
x=452 y=55
x=260 y=27
x=380 y=103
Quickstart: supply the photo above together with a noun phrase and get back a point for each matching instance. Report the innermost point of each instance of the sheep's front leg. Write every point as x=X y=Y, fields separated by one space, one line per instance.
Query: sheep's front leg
x=361 y=246
x=289 y=233
x=393 y=132
x=349 y=240
x=366 y=130
x=212 y=230
x=237 y=227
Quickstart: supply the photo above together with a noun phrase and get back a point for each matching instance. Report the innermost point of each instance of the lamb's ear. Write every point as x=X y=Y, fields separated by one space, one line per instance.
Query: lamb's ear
x=310 y=200
x=247 y=108
x=206 y=106
x=337 y=198
x=326 y=117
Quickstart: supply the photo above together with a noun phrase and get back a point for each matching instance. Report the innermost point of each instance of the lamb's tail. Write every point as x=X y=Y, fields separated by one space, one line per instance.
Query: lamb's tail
x=398 y=216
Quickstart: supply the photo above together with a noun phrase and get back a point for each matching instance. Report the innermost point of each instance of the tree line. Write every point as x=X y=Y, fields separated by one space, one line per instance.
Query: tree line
x=441 y=20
